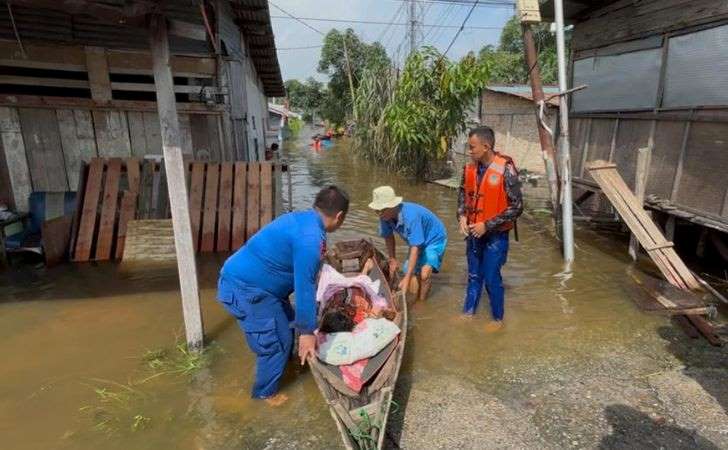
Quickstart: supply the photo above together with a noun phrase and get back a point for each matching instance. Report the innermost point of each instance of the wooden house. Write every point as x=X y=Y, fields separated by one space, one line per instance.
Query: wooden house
x=656 y=77
x=77 y=81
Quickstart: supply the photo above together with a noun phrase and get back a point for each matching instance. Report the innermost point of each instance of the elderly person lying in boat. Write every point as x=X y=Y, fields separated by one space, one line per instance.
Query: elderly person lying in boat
x=356 y=323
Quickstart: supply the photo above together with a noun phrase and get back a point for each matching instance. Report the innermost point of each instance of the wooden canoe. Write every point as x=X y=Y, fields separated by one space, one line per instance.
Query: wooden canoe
x=361 y=417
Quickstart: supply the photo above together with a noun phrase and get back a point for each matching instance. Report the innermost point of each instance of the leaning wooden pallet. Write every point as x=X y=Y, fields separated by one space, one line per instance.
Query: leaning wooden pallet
x=647 y=233
x=650 y=237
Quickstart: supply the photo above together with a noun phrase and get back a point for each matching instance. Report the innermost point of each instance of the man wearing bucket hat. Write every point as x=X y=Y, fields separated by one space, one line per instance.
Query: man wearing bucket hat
x=421 y=230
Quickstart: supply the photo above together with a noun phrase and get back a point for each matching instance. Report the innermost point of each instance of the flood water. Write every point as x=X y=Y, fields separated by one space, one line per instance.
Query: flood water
x=73 y=337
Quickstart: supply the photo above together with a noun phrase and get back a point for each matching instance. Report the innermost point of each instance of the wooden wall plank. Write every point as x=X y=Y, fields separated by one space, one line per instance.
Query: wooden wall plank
x=43 y=149
x=133 y=174
x=197 y=186
x=239 y=205
x=266 y=193
x=127 y=212
x=145 y=190
x=77 y=139
x=78 y=207
x=153 y=133
x=105 y=239
x=253 y=218
x=205 y=139
x=185 y=134
x=627 y=20
x=162 y=205
x=15 y=159
x=85 y=238
x=6 y=189
x=98 y=73
x=224 y=208
x=209 y=218
x=137 y=135
x=112 y=133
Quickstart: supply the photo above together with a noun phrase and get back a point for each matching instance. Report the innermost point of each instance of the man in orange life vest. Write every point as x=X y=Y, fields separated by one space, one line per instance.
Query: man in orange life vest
x=489 y=201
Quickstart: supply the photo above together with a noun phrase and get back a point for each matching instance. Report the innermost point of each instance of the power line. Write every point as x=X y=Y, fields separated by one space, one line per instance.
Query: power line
x=373 y=22
x=483 y=4
x=380 y=38
x=299 y=48
x=297 y=19
x=462 y=27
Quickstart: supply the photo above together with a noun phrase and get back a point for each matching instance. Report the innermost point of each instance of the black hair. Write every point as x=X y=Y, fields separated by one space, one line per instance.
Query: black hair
x=335 y=322
x=485 y=134
x=274 y=146
x=332 y=200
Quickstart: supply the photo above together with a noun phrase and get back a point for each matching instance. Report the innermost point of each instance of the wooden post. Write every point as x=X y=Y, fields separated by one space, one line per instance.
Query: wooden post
x=177 y=187
x=546 y=139
x=98 y=74
x=643 y=166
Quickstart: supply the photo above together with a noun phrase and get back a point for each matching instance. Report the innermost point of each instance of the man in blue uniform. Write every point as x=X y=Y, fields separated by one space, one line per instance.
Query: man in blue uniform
x=420 y=228
x=255 y=282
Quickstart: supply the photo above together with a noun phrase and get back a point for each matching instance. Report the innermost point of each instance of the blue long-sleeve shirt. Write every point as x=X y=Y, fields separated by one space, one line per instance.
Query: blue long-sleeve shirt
x=283 y=257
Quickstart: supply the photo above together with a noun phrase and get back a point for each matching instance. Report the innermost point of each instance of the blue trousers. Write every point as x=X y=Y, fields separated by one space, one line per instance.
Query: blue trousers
x=486 y=256
x=265 y=320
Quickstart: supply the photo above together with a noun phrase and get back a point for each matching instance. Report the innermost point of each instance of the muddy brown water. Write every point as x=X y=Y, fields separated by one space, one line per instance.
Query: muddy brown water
x=73 y=336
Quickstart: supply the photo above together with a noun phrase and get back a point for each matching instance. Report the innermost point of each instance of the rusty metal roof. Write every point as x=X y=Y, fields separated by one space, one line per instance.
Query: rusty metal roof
x=524 y=91
x=253 y=19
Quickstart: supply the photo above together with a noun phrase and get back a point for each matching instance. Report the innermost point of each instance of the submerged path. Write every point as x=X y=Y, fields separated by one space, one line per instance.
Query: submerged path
x=577 y=365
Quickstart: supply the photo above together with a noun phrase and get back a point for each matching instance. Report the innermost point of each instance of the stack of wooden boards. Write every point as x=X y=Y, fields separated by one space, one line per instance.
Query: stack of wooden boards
x=229 y=202
x=651 y=238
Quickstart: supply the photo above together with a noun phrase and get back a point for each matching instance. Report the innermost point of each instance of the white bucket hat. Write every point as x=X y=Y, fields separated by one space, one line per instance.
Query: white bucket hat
x=383 y=198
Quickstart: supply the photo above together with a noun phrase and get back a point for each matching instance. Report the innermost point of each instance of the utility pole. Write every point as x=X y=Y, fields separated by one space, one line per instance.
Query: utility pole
x=348 y=73
x=529 y=14
x=544 y=134
x=564 y=147
x=414 y=27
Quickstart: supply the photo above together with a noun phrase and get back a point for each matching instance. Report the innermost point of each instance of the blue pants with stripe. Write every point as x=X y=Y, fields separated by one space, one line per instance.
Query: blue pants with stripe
x=486 y=256
x=266 y=323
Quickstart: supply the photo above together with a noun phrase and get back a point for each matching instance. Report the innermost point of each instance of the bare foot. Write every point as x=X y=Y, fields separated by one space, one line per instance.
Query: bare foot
x=492 y=327
x=368 y=266
x=277 y=400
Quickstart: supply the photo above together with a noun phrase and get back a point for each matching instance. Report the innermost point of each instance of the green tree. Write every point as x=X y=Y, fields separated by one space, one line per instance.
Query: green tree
x=407 y=122
x=334 y=63
x=307 y=97
x=508 y=63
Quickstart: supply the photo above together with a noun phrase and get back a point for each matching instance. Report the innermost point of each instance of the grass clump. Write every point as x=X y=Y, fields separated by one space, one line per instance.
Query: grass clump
x=120 y=406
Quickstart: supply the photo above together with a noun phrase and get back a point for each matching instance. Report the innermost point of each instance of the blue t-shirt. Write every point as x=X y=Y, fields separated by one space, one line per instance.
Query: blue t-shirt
x=283 y=257
x=415 y=224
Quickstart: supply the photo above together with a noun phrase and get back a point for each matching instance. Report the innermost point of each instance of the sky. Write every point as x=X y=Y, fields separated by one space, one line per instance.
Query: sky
x=301 y=63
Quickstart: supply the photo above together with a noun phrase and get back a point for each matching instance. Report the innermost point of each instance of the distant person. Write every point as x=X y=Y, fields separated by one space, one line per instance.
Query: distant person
x=489 y=202
x=255 y=282
x=423 y=232
x=272 y=153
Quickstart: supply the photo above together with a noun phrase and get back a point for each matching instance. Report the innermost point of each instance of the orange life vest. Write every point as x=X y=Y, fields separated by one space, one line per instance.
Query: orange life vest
x=488 y=200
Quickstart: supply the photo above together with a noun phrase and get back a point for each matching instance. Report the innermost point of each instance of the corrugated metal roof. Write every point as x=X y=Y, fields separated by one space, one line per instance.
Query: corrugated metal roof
x=68 y=22
x=524 y=91
x=573 y=9
x=253 y=18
